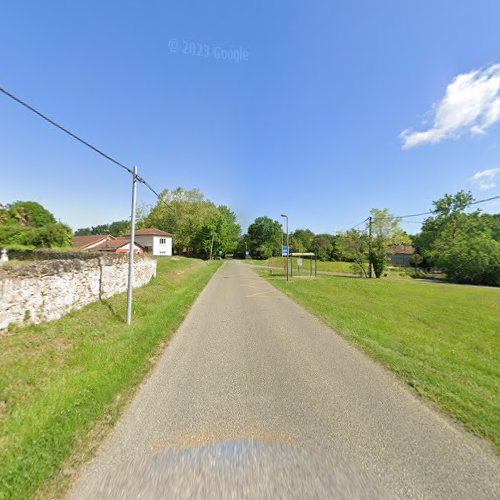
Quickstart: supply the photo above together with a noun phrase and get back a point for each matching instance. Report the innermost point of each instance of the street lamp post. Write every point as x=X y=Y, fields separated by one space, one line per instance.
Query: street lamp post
x=287 y=246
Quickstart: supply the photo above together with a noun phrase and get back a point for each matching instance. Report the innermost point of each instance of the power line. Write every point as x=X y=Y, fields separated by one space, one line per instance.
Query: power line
x=65 y=130
x=357 y=225
x=135 y=178
x=485 y=200
x=432 y=212
x=79 y=139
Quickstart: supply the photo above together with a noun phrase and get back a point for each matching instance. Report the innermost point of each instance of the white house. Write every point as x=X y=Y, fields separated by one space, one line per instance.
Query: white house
x=154 y=241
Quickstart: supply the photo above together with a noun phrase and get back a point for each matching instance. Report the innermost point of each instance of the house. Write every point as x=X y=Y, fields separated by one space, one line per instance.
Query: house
x=155 y=241
x=121 y=245
x=399 y=255
x=91 y=242
x=104 y=243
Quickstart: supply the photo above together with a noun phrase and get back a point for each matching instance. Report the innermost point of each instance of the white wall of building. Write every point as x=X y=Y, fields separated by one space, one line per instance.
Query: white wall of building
x=162 y=245
x=156 y=242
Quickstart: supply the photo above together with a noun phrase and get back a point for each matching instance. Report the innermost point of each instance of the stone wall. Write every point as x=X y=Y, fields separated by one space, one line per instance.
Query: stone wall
x=47 y=289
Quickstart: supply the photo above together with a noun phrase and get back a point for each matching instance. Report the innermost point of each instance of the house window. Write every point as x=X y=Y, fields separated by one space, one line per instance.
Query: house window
x=163 y=241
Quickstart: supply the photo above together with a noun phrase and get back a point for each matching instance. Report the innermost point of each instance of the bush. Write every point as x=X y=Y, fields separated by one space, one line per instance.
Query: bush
x=472 y=261
x=55 y=235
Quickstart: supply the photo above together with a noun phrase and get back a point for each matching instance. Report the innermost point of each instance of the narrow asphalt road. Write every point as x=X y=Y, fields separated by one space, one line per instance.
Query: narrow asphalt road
x=255 y=398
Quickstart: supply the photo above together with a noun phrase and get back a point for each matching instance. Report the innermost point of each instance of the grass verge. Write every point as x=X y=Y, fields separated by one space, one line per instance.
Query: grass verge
x=338 y=267
x=443 y=340
x=57 y=380
x=333 y=267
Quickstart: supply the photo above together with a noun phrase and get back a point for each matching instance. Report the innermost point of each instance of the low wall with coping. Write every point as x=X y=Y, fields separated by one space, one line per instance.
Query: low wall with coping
x=44 y=290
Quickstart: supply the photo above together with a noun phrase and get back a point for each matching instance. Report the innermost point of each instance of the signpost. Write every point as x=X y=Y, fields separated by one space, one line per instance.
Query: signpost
x=284 y=251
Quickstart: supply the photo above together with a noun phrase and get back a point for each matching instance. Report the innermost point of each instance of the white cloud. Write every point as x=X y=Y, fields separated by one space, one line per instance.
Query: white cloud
x=485 y=179
x=471 y=103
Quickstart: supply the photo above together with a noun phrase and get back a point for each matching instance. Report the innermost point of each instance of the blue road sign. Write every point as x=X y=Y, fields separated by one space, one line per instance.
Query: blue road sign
x=284 y=251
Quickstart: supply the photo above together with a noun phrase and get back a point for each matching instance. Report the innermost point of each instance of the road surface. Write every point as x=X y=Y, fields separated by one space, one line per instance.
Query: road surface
x=255 y=398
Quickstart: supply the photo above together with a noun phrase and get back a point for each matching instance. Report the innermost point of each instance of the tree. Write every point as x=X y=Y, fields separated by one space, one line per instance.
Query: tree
x=445 y=213
x=301 y=240
x=324 y=245
x=264 y=238
x=385 y=232
x=30 y=213
x=183 y=213
x=464 y=245
x=116 y=228
x=353 y=244
x=221 y=228
x=28 y=224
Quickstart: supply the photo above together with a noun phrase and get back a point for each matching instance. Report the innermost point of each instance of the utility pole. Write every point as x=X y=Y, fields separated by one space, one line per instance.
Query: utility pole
x=131 y=248
x=370 y=246
x=212 y=246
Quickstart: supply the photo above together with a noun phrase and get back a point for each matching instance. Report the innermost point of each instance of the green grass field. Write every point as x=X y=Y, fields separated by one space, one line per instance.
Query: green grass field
x=443 y=340
x=59 y=381
x=329 y=267
x=334 y=267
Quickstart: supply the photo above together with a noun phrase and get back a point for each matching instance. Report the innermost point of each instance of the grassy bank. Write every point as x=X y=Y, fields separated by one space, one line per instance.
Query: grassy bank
x=338 y=267
x=443 y=340
x=333 y=267
x=58 y=380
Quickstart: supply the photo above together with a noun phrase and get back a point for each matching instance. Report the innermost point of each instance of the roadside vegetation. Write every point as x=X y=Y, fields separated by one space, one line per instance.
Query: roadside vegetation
x=323 y=266
x=25 y=225
x=61 y=379
x=336 y=267
x=455 y=241
x=442 y=339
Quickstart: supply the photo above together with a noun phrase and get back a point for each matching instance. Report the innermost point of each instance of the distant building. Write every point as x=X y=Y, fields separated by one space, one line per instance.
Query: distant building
x=121 y=245
x=155 y=241
x=104 y=243
x=91 y=242
x=399 y=255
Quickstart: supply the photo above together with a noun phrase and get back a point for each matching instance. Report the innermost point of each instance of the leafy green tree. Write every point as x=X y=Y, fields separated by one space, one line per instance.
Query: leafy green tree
x=385 y=232
x=445 y=213
x=222 y=226
x=183 y=213
x=28 y=224
x=264 y=238
x=324 y=245
x=242 y=246
x=464 y=245
x=4 y=215
x=353 y=244
x=265 y=251
x=493 y=222
x=30 y=213
x=116 y=228
x=301 y=240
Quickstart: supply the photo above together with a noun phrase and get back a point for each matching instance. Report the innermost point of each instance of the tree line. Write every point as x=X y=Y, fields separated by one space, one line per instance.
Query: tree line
x=464 y=244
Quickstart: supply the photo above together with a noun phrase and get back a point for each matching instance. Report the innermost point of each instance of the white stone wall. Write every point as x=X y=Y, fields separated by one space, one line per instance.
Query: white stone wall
x=47 y=290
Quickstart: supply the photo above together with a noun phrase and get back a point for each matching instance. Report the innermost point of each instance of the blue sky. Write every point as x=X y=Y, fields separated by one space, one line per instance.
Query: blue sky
x=309 y=124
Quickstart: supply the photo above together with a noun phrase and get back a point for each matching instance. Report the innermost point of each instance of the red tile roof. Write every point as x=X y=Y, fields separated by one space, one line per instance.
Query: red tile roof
x=150 y=231
x=82 y=242
x=116 y=243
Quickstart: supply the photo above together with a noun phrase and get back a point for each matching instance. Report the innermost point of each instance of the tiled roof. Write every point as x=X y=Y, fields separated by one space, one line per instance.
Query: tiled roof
x=150 y=231
x=81 y=242
x=116 y=243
